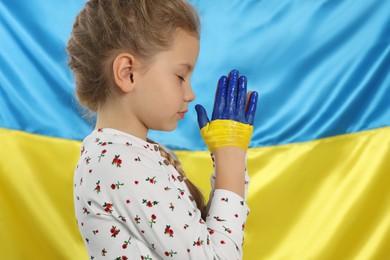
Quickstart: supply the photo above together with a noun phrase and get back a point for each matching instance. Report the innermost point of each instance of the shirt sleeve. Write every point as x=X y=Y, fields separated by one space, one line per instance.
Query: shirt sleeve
x=131 y=197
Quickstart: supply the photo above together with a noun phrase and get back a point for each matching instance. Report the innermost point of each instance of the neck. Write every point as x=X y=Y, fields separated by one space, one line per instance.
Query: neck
x=117 y=116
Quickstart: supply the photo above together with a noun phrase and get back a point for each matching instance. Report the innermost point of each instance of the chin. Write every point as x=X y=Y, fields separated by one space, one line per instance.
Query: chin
x=165 y=128
x=171 y=128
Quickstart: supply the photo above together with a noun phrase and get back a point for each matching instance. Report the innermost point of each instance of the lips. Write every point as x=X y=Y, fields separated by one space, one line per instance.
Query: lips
x=181 y=114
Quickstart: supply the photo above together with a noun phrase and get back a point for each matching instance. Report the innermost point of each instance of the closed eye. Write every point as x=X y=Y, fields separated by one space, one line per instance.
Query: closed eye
x=181 y=78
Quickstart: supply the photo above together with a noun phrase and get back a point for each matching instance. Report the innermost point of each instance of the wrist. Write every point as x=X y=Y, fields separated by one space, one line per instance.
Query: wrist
x=230 y=169
x=230 y=153
x=225 y=132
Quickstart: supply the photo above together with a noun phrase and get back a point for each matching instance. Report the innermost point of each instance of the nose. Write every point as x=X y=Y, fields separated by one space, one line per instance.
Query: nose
x=189 y=95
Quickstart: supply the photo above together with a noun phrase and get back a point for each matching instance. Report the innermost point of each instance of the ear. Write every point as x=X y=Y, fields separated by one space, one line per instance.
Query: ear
x=123 y=71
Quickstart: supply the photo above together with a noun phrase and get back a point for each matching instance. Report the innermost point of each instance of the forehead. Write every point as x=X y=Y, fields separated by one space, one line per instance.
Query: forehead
x=184 y=48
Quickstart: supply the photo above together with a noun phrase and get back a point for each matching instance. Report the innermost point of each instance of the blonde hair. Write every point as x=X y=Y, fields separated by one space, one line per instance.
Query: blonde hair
x=105 y=28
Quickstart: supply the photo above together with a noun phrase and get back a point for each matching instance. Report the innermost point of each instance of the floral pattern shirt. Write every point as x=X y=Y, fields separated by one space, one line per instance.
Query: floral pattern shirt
x=131 y=203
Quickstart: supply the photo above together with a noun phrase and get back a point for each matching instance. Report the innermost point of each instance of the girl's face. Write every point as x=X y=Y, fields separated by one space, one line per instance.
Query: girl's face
x=163 y=91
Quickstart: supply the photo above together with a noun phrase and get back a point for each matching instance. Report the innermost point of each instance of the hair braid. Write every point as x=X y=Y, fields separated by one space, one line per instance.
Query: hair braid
x=196 y=194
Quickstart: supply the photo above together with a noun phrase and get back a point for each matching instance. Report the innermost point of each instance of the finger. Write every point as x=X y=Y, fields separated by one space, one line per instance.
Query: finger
x=220 y=99
x=241 y=99
x=232 y=94
x=202 y=116
x=252 y=104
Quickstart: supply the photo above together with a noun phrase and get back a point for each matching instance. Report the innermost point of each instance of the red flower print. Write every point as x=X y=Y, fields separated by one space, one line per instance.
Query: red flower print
x=136 y=182
x=186 y=226
x=152 y=220
x=126 y=243
x=127 y=201
x=211 y=231
x=87 y=160
x=227 y=229
x=170 y=253
x=171 y=206
x=225 y=199
x=128 y=144
x=243 y=226
x=122 y=258
x=97 y=188
x=103 y=143
x=137 y=159
x=149 y=203
x=236 y=215
x=116 y=161
x=102 y=153
x=85 y=210
x=95 y=231
x=104 y=252
x=167 y=188
x=222 y=242
x=168 y=231
x=151 y=180
x=219 y=219
x=137 y=219
x=116 y=185
x=114 y=231
x=108 y=207
x=198 y=242
x=181 y=191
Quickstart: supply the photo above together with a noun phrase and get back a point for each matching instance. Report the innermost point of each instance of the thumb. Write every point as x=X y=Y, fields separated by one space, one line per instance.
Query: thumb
x=202 y=116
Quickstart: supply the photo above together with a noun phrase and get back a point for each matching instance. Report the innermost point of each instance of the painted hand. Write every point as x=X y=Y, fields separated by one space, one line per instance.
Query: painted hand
x=233 y=114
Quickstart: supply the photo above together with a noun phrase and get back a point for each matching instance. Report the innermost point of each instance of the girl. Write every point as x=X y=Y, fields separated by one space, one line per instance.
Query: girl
x=132 y=62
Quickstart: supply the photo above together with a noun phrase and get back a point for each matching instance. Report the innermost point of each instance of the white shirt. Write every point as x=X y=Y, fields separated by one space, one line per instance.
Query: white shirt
x=130 y=205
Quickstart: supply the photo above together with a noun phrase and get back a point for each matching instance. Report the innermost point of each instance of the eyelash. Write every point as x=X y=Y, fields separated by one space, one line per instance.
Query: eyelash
x=181 y=78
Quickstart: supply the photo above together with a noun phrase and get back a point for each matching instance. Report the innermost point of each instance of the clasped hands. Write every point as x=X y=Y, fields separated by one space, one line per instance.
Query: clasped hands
x=233 y=114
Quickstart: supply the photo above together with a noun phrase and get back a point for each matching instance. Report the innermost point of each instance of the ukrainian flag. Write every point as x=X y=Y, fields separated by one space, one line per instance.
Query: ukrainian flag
x=320 y=155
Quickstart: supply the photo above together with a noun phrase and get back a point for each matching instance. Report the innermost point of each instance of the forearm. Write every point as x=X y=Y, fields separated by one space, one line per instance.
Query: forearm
x=230 y=170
